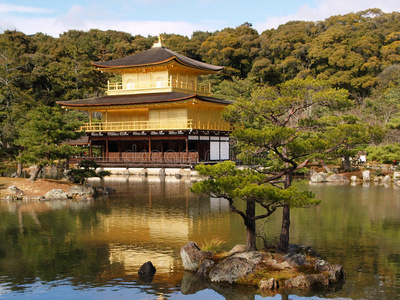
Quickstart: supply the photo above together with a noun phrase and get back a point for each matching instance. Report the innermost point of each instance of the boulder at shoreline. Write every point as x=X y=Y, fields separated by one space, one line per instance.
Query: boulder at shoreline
x=318 y=177
x=192 y=255
x=57 y=194
x=337 y=178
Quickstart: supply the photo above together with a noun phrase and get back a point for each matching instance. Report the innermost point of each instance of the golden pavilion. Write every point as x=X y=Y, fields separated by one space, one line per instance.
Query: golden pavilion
x=158 y=114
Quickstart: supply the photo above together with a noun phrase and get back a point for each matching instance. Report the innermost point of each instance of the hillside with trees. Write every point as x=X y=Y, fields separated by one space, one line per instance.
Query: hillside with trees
x=358 y=52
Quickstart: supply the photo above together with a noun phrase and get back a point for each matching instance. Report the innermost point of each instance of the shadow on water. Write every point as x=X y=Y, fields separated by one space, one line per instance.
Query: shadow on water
x=192 y=284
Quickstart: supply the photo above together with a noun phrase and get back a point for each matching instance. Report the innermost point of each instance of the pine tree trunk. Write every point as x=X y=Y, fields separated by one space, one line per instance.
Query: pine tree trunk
x=284 y=237
x=251 y=226
x=327 y=169
x=346 y=163
x=36 y=173
x=19 y=170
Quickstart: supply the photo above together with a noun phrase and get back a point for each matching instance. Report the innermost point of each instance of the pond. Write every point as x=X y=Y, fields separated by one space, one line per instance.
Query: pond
x=93 y=250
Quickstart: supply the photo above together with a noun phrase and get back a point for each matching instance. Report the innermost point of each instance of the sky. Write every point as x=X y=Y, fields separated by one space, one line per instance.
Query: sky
x=153 y=17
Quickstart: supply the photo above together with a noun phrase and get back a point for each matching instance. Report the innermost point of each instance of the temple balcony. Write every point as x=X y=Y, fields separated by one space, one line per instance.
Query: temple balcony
x=172 y=85
x=155 y=126
x=145 y=159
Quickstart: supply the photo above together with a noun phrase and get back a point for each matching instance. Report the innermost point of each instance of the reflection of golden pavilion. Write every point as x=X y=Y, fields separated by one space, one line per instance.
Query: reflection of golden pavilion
x=157 y=222
x=158 y=113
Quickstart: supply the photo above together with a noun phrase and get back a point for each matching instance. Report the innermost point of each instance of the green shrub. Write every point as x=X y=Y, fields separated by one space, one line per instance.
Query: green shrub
x=86 y=169
x=386 y=154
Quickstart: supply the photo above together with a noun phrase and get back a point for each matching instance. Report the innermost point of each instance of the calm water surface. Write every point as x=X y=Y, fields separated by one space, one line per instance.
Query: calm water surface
x=93 y=250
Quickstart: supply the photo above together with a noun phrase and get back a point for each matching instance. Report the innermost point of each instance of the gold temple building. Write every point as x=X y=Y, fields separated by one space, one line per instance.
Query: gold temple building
x=157 y=115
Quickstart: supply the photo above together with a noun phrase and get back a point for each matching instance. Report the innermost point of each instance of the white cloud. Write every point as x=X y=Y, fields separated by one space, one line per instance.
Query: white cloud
x=74 y=18
x=149 y=27
x=10 y=8
x=326 y=8
x=56 y=26
x=95 y=16
x=85 y=18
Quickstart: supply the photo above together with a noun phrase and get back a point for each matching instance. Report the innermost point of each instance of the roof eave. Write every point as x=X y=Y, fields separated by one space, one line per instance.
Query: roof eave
x=66 y=103
x=133 y=66
x=71 y=104
x=111 y=68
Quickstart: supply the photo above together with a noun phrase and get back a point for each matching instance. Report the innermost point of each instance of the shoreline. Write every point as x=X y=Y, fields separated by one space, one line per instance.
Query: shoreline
x=32 y=188
x=41 y=186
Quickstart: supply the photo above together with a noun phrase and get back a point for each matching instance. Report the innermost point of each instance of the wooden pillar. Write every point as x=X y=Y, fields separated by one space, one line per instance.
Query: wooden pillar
x=180 y=156
x=162 y=150
x=107 y=148
x=187 y=148
x=208 y=120
x=90 y=147
x=149 y=158
x=198 y=117
x=90 y=119
x=106 y=121
x=198 y=148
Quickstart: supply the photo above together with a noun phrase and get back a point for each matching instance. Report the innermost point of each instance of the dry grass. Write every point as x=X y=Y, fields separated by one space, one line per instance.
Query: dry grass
x=36 y=188
x=215 y=245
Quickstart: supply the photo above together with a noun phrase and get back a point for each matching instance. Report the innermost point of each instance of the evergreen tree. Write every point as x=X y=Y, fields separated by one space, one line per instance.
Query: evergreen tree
x=284 y=127
x=41 y=135
x=15 y=89
x=228 y=182
x=87 y=169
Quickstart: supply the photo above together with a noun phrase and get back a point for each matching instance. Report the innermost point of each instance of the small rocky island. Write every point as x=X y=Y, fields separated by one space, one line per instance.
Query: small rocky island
x=300 y=268
x=74 y=192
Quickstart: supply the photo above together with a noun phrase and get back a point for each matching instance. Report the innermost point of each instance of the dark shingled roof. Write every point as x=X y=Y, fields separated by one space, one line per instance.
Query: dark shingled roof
x=138 y=99
x=154 y=56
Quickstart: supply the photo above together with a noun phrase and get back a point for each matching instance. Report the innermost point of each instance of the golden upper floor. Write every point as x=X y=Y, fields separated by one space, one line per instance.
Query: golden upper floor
x=157 y=81
x=157 y=70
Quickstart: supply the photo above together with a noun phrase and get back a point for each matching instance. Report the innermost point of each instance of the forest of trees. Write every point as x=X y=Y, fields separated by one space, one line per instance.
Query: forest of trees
x=358 y=52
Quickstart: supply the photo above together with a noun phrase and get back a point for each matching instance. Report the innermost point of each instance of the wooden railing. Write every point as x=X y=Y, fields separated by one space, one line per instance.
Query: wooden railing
x=143 y=158
x=174 y=83
x=155 y=125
